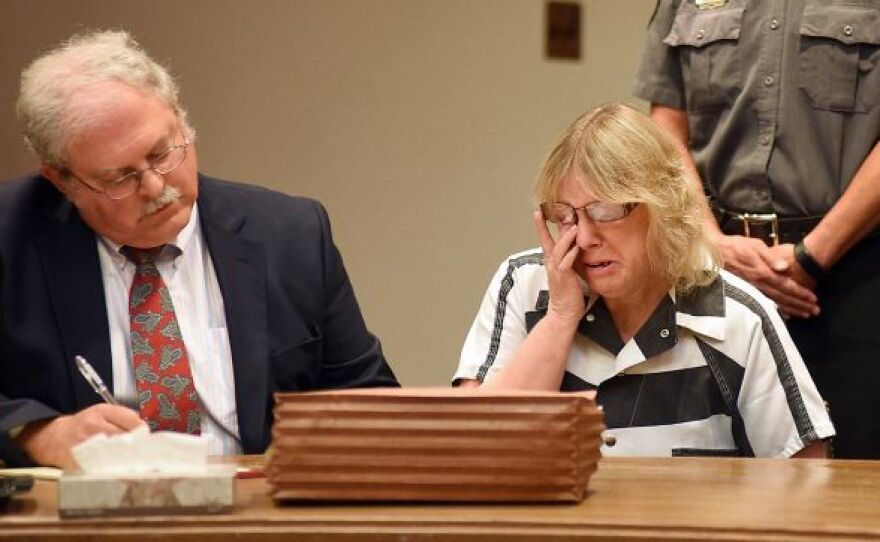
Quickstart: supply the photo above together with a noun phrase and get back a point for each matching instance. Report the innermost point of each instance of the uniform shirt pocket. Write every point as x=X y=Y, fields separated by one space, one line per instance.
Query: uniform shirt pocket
x=839 y=54
x=707 y=44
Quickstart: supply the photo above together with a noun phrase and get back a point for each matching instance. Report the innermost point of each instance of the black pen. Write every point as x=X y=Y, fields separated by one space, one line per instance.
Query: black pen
x=94 y=380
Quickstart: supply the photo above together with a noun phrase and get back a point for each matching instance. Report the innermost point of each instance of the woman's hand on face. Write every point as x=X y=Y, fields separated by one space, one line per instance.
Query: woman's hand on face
x=566 y=295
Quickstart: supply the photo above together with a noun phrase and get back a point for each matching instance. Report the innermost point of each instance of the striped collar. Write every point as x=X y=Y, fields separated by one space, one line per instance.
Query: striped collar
x=701 y=311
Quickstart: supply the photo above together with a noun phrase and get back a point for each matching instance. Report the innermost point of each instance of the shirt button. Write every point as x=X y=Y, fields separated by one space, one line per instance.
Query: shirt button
x=764 y=139
x=590 y=317
x=701 y=34
x=774 y=23
x=848 y=30
x=768 y=81
x=664 y=333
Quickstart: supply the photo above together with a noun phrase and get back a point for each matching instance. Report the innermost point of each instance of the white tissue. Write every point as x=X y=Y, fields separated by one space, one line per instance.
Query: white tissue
x=140 y=451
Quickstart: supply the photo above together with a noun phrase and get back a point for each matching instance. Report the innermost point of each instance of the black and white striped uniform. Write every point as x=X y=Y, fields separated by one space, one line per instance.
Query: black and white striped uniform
x=713 y=372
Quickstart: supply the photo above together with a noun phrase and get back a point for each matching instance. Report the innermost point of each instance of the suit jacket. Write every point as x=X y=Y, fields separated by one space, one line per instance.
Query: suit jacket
x=292 y=317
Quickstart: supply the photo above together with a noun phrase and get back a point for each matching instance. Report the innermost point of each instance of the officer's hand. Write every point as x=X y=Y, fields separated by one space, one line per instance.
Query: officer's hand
x=783 y=255
x=769 y=270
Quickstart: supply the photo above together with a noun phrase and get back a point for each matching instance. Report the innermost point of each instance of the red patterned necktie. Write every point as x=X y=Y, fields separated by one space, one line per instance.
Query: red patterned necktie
x=166 y=394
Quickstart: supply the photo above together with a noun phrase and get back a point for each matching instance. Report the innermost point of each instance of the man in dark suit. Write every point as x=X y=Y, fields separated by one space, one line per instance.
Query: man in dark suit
x=250 y=279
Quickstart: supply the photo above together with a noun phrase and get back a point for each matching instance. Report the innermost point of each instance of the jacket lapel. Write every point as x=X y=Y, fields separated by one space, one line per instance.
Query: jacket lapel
x=240 y=265
x=69 y=256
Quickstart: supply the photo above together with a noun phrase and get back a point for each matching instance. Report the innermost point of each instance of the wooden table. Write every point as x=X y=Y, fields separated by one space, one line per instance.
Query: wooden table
x=632 y=499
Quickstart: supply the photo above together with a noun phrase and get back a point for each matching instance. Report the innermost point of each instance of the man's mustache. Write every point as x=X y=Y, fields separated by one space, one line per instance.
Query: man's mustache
x=168 y=195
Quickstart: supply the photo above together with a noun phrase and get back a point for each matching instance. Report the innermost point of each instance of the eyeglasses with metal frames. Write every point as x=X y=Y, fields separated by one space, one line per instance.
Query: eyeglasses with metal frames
x=597 y=211
x=128 y=184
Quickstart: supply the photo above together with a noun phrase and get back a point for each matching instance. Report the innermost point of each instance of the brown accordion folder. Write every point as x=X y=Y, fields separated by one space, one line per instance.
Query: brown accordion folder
x=434 y=444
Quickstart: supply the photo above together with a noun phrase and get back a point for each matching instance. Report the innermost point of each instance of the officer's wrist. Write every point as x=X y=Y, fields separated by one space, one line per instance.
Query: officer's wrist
x=808 y=263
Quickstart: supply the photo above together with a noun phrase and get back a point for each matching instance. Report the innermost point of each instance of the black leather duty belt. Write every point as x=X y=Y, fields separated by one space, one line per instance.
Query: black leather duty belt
x=768 y=227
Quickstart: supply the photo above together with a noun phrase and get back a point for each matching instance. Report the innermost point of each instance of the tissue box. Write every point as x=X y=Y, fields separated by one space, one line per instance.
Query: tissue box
x=208 y=491
x=139 y=473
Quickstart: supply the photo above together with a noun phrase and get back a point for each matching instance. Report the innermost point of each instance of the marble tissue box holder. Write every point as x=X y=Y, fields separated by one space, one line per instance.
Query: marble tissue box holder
x=142 y=473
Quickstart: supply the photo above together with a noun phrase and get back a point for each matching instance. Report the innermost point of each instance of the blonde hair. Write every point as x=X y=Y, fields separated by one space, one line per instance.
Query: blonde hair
x=49 y=84
x=623 y=156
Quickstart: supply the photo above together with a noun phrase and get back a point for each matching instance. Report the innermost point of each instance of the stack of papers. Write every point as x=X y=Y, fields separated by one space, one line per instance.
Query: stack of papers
x=434 y=445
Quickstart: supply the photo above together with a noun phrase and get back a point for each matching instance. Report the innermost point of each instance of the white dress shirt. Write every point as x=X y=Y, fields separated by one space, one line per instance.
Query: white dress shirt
x=198 y=305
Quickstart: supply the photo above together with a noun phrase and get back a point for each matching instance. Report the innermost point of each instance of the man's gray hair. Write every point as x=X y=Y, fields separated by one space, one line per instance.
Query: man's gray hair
x=81 y=63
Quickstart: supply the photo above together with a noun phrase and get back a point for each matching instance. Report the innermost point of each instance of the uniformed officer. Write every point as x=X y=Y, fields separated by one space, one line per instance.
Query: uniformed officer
x=775 y=103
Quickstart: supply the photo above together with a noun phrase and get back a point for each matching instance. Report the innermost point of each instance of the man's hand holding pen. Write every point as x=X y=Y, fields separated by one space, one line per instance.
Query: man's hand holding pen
x=49 y=442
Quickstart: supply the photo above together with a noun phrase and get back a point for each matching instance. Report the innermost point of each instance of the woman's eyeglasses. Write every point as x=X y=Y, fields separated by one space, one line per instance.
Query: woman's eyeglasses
x=598 y=211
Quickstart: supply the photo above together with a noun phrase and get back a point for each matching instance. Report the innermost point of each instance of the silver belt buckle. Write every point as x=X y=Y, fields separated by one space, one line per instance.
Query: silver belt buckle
x=760 y=218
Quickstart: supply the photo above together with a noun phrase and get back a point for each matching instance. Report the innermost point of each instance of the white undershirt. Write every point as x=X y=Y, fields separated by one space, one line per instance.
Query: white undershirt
x=198 y=304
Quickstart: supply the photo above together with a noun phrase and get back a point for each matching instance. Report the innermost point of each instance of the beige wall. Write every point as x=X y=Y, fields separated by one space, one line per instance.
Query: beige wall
x=419 y=124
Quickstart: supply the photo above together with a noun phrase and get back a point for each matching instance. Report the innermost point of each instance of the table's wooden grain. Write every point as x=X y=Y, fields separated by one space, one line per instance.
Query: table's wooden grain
x=633 y=499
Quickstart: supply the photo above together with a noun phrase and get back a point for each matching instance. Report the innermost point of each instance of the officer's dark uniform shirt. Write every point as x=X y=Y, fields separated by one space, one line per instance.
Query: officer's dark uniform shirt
x=782 y=96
